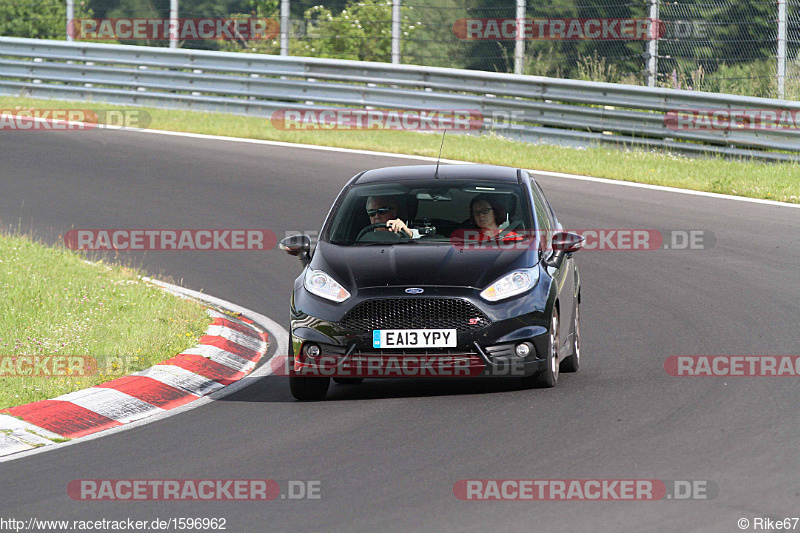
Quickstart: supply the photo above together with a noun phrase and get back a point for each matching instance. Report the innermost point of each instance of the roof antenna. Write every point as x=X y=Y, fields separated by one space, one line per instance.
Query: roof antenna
x=436 y=174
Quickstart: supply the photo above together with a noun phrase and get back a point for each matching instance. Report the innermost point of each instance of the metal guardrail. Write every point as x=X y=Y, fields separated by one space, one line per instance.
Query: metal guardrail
x=545 y=110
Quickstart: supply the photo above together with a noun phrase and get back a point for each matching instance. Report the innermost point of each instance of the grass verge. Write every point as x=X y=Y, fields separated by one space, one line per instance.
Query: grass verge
x=82 y=324
x=773 y=181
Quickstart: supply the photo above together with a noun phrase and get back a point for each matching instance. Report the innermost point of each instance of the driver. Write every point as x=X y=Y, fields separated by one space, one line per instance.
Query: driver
x=383 y=210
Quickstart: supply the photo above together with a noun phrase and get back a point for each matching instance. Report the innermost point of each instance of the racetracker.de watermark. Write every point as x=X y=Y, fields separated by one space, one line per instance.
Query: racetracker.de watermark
x=392 y=366
x=170 y=239
x=732 y=119
x=378 y=119
x=72 y=119
x=584 y=489
x=193 y=489
x=559 y=29
x=47 y=365
x=67 y=366
x=620 y=239
x=182 y=29
x=733 y=365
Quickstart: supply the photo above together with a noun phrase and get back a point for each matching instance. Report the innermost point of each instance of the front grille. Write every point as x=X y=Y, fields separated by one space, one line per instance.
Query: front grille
x=430 y=352
x=415 y=313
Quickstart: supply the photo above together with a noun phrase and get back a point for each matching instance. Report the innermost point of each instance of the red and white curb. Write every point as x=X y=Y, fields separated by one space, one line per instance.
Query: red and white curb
x=227 y=352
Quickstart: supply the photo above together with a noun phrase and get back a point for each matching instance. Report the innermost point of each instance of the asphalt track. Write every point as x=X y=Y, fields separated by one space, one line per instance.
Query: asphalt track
x=388 y=453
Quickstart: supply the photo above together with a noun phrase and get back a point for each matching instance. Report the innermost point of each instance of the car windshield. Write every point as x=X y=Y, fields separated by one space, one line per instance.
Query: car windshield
x=434 y=212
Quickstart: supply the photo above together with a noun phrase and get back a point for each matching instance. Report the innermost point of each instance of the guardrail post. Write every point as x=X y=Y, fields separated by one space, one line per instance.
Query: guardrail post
x=284 y=27
x=70 y=16
x=519 y=44
x=173 y=18
x=654 y=26
x=781 y=48
x=396 y=32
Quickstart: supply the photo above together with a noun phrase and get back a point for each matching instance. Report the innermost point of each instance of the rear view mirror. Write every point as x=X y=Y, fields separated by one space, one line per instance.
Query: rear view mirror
x=567 y=241
x=563 y=243
x=435 y=196
x=299 y=246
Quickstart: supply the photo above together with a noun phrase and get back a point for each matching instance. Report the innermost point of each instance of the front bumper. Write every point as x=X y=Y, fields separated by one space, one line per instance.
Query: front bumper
x=394 y=366
x=486 y=351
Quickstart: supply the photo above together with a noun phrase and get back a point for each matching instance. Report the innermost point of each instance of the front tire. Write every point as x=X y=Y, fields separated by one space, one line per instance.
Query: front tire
x=573 y=362
x=549 y=377
x=309 y=389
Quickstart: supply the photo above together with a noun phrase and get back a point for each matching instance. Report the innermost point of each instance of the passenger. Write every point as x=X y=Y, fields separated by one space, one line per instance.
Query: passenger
x=485 y=213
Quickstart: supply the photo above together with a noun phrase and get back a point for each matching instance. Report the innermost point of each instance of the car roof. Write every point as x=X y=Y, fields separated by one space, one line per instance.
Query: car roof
x=446 y=172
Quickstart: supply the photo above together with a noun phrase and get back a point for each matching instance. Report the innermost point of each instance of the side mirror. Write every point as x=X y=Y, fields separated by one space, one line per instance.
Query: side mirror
x=563 y=243
x=299 y=246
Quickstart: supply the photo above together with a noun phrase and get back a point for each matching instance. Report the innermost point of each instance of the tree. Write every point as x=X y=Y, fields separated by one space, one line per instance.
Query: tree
x=37 y=19
x=490 y=54
x=433 y=41
x=261 y=9
x=361 y=31
x=720 y=46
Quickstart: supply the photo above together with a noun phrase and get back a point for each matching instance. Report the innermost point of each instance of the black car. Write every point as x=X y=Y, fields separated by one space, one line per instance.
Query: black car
x=455 y=267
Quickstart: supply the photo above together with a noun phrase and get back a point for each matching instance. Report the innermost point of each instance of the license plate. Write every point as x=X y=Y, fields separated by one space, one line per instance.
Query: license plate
x=414 y=338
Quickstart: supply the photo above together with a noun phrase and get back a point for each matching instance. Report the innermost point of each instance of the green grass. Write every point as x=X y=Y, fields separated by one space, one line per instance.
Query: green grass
x=774 y=181
x=56 y=304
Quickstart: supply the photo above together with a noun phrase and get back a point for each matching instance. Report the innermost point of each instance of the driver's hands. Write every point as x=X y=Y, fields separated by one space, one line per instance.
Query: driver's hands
x=397 y=226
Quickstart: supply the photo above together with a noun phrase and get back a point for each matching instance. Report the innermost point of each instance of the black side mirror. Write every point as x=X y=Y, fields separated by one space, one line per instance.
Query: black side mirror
x=299 y=246
x=563 y=243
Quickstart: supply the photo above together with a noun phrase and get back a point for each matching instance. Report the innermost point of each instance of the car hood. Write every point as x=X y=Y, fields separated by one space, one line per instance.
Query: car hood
x=414 y=265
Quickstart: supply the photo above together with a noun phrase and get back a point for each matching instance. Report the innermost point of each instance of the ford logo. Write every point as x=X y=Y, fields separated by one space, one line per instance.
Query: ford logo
x=415 y=290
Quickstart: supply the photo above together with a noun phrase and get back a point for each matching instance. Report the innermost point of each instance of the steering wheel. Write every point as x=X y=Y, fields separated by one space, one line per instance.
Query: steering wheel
x=373 y=227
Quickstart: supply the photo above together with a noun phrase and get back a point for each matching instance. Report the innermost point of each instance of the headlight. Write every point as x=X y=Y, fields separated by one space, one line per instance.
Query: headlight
x=319 y=283
x=511 y=284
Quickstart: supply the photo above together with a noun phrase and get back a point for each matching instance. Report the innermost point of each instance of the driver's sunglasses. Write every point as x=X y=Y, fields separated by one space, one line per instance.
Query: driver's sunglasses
x=483 y=211
x=379 y=211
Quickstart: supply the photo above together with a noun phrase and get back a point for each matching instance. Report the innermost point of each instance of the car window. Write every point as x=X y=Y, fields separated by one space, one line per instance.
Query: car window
x=543 y=219
x=538 y=192
x=435 y=210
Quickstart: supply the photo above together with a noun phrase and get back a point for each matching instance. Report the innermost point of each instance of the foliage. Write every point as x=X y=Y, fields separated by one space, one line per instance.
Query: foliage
x=361 y=31
x=37 y=19
x=595 y=68
x=543 y=63
x=260 y=9
x=734 y=51
x=756 y=78
x=433 y=42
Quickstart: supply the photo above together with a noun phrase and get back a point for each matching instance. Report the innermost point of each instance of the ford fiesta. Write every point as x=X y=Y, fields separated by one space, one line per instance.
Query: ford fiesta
x=459 y=270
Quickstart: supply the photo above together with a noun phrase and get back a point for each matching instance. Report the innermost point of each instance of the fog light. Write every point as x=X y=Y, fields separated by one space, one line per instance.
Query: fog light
x=311 y=350
x=522 y=349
